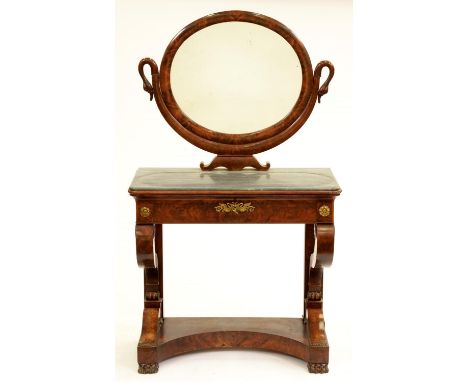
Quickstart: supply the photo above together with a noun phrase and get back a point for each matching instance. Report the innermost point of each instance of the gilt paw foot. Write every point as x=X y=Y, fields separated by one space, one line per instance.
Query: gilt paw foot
x=317 y=368
x=148 y=368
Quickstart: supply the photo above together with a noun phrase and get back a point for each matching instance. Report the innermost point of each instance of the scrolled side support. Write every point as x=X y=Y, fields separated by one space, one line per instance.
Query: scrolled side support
x=325 y=244
x=144 y=235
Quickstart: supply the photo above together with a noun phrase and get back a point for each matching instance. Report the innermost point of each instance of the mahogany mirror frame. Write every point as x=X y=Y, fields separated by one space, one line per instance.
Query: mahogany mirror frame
x=234 y=151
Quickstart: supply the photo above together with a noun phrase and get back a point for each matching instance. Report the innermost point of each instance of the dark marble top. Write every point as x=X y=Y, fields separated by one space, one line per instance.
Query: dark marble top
x=284 y=179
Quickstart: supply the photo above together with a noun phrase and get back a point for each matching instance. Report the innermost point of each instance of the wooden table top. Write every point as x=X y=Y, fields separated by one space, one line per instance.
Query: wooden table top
x=278 y=179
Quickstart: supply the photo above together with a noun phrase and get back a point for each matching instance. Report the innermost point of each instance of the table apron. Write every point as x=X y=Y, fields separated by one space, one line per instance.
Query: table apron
x=234 y=210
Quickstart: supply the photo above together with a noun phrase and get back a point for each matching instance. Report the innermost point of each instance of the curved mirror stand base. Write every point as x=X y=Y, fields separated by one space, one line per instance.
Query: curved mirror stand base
x=234 y=163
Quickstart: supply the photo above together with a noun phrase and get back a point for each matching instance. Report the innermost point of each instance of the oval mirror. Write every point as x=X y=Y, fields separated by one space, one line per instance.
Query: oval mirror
x=236 y=77
x=235 y=83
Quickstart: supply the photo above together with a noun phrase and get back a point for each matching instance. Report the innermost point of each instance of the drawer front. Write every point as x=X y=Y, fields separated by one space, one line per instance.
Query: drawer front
x=234 y=211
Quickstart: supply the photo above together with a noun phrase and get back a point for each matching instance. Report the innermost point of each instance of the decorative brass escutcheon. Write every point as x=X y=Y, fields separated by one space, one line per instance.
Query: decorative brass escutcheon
x=235 y=207
x=324 y=210
x=145 y=212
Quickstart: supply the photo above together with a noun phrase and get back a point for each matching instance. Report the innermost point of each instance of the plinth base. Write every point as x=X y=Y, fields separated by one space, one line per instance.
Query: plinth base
x=181 y=335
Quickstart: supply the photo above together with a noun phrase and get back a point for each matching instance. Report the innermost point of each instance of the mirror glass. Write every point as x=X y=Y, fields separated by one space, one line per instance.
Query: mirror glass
x=236 y=77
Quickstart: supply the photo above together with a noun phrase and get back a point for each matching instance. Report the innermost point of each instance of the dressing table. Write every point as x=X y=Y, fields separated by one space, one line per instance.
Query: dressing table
x=235 y=84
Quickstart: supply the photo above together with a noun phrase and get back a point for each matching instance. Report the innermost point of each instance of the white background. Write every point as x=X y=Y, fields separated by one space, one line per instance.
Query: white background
x=398 y=282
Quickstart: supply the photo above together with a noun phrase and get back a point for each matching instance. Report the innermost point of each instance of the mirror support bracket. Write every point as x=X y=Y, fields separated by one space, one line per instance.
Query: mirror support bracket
x=235 y=163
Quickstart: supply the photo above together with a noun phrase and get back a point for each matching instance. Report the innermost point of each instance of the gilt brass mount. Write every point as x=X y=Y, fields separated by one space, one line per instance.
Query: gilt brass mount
x=324 y=210
x=145 y=212
x=235 y=207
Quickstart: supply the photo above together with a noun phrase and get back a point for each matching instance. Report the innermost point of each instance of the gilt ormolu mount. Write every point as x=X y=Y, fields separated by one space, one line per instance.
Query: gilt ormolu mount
x=235 y=150
x=272 y=99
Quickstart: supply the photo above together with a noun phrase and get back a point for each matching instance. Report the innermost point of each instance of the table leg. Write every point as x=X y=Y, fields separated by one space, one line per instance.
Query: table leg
x=319 y=349
x=309 y=250
x=148 y=239
x=158 y=245
x=313 y=287
x=147 y=346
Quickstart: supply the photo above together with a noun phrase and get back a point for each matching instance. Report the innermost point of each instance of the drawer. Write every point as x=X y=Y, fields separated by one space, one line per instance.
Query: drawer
x=234 y=210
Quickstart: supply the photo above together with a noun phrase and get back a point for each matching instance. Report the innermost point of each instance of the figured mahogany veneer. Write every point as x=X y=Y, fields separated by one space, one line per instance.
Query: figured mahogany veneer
x=284 y=196
x=181 y=335
x=266 y=210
